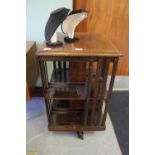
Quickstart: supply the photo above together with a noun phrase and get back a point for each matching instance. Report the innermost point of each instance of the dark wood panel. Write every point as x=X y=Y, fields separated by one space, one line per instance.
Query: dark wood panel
x=77 y=71
x=31 y=68
x=110 y=18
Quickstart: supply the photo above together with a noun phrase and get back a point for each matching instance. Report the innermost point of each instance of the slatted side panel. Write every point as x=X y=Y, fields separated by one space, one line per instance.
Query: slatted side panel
x=48 y=105
x=43 y=72
x=98 y=94
x=114 y=69
x=102 y=89
x=60 y=66
x=44 y=78
x=89 y=88
x=96 y=91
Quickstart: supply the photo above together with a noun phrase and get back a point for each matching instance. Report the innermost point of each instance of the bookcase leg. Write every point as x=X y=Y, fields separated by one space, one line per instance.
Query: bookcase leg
x=80 y=134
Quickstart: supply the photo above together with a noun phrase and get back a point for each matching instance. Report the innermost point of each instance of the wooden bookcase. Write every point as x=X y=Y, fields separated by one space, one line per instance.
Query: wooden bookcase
x=78 y=105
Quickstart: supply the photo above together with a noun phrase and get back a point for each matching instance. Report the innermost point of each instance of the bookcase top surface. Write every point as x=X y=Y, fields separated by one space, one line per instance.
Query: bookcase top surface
x=89 y=44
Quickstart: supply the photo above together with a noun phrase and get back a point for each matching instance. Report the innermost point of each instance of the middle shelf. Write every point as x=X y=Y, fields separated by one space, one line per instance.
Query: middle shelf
x=61 y=87
x=72 y=92
x=67 y=105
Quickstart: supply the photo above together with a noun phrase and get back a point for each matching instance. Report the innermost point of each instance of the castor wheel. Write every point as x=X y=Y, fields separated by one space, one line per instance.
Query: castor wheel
x=80 y=134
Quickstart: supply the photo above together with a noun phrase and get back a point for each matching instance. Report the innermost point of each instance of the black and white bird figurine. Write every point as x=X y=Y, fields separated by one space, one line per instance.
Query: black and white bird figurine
x=68 y=22
x=73 y=19
x=54 y=21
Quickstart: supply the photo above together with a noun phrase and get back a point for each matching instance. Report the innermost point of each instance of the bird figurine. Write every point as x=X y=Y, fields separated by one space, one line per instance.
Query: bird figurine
x=54 y=21
x=73 y=19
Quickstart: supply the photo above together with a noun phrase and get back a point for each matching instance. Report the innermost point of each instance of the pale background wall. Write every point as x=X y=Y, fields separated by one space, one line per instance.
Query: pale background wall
x=37 y=13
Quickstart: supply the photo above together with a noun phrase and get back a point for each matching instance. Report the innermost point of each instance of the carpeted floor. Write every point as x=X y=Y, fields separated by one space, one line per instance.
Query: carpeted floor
x=119 y=113
x=39 y=139
x=44 y=142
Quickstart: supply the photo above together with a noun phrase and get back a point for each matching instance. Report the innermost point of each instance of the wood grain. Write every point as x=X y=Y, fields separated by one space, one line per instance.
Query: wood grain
x=27 y=92
x=89 y=44
x=31 y=68
x=110 y=19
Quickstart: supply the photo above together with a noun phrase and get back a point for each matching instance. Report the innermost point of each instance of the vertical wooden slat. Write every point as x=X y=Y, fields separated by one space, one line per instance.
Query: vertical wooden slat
x=103 y=88
x=54 y=71
x=54 y=65
x=89 y=85
x=110 y=89
x=59 y=65
x=45 y=72
x=54 y=119
x=64 y=69
x=60 y=71
x=64 y=65
x=68 y=65
x=50 y=107
x=42 y=74
x=44 y=78
x=47 y=109
x=95 y=91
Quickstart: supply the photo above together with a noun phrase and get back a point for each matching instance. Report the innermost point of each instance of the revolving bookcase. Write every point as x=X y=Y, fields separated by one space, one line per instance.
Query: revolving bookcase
x=78 y=105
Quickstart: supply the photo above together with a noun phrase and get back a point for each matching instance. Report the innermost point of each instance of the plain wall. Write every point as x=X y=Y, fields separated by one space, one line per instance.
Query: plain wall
x=37 y=13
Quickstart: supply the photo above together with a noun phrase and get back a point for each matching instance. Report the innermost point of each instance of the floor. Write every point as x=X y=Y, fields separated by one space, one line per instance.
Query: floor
x=119 y=114
x=39 y=139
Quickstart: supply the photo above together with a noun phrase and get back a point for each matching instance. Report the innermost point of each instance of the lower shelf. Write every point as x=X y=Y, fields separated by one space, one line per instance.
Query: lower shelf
x=71 y=121
x=76 y=128
x=65 y=115
x=66 y=105
x=63 y=118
